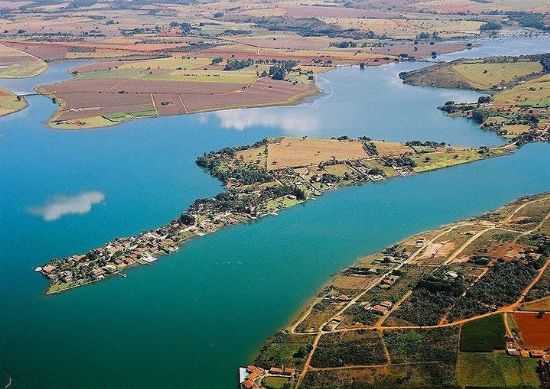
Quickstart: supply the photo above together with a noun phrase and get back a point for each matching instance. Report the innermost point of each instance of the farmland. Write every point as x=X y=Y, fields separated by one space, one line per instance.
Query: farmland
x=533 y=329
x=483 y=335
x=18 y=64
x=116 y=92
x=496 y=370
x=439 y=312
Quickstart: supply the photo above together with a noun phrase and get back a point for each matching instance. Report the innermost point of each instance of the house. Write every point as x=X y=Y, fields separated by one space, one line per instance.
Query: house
x=379 y=309
x=285 y=371
x=536 y=353
x=387 y=304
x=452 y=274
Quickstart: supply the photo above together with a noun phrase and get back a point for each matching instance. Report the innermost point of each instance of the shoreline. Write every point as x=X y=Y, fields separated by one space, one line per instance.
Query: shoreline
x=269 y=192
x=342 y=312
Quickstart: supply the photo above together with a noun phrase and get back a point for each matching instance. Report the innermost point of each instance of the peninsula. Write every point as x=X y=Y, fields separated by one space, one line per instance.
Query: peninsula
x=518 y=105
x=260 y=180
x=464 y=305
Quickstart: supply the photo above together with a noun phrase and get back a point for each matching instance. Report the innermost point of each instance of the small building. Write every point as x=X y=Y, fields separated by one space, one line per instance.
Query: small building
x=387 y=304
x=379 y=309
x=285 y=371
x=536 y=353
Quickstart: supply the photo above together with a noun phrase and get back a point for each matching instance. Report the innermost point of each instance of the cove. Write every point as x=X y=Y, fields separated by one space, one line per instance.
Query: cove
x=191 y=319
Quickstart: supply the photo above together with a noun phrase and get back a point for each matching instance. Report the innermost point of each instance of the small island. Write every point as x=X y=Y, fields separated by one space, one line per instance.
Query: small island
x=260 y=180
x=464 y=305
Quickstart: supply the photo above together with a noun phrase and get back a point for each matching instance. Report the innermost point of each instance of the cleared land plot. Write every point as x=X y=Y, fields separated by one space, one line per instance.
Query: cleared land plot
x=483 y=335
x=349 y=348
x=534 y=329
x=291 y=152
x=495 y=370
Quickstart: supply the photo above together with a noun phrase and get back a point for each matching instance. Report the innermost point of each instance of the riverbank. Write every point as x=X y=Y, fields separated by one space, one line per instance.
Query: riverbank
x=429 y=283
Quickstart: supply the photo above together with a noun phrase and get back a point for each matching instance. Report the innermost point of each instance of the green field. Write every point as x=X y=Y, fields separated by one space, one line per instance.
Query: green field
x=482 y=75
x=284 y=349
x=275 y=382
x=495 y=370
x=486 y=334
x=9 y=103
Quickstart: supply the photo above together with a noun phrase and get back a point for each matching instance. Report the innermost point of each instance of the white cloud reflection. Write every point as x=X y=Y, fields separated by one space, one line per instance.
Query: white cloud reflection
x=291 y=120
x=60 y=206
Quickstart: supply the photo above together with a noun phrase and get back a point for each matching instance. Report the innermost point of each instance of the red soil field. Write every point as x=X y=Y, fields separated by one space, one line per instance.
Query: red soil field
x=86 y=98
x=40 y=50
x=535 y=331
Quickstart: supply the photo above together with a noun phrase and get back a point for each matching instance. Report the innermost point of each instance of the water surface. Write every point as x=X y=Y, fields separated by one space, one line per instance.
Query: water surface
x=192 y=318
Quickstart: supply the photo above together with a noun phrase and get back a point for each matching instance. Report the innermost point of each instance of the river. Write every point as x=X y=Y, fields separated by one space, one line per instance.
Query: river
x=191 y=319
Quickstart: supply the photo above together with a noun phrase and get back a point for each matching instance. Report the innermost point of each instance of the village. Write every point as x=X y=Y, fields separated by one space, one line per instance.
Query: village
x=261 y=180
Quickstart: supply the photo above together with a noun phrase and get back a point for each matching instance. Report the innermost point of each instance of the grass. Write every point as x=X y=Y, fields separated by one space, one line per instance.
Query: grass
x=496 y=370
x=89 y=122
x=125 y=116
x=275 y=382
x=196 y=69
x=534 y=93
x=488 y=75
x=9 y=103
x=443 y=159
x=284 y=349
x=485 y=334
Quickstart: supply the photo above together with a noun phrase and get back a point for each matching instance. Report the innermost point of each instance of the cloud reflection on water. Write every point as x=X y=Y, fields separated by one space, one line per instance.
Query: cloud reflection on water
x=61 y=205
x=290 y=120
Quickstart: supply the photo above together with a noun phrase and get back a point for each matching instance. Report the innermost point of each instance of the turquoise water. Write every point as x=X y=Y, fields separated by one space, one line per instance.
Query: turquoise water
x=191 y=319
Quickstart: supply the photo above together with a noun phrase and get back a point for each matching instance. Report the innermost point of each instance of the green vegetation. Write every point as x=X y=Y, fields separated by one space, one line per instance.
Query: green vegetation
x=496 y=370
x=284 y=349
x=430 y=299
x=483 y=335
x=501 y=285
x=276 y=383
x=438 y=344
x=238 y=64
x=349 y=348
x=10 y=103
